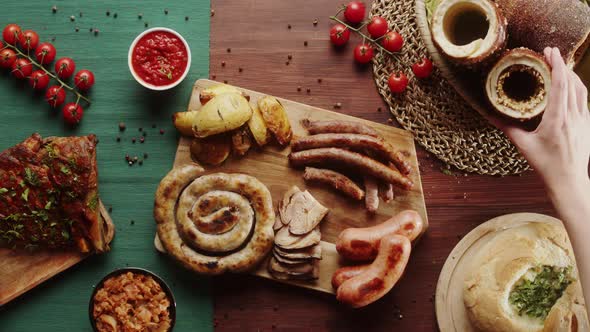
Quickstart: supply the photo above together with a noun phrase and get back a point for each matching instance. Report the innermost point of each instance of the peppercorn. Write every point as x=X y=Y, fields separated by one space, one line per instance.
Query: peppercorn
x=305 y=43
x=141 y=139
x=222 y=63
x=135 y=159
x=72 y=18
x=289 y=26
x=130 y=163
x=286 y=63
x=54 y=9
x=146 y=24
x=139 y=16
x=228 y=50
x=379 y=109
x=145 y=156
x=108 y=13
x=110 y=209
x=122 y=126
x=77 y=29
x=240 y=69
x=140 y=162
x=140 y=129
x=289 y=57
x=96 y=31
x=315 y=22
x=319 y=80
x=115 y=15
x=132 y=222
x=299 y=88
x=213 y=77
x=308 y=90
x=118 y=139
x=144 y=134
x=212 y=12
x=165 y=11
x=80 y=14
x=133 y=140
x=161 y=131
x=225 y=81
x=91 y=29
x=338 y=105
x=186 y=18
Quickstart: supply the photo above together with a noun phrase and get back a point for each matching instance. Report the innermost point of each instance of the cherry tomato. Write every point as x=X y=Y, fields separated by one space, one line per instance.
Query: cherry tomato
x=11 y=33
x=72 y=113
x=392 y=41
x=65 y=67
x=363 y=53
x=397 y=82
x=28 y=40
x=84 y=79
x=55 y=95
x=39 y=80
x=377 y=27
x=423 y=68
x=354 y=12
x=22 y=68
x=339 y=34
x=7 y=58
x=45 y=53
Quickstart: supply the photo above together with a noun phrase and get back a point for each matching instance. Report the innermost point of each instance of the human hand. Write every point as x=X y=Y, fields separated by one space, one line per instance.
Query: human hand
x=559 y=148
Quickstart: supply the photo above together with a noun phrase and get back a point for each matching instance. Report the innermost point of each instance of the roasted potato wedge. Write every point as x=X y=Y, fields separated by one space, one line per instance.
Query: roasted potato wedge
x=276 y=119
x=219 y=89
x=258 y=127
x=221 y=114
x=241 y=140
x=212 y=150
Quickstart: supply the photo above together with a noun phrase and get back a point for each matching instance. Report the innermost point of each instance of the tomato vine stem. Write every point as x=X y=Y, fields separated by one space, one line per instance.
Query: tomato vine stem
x=365 y=37
x=62 y=83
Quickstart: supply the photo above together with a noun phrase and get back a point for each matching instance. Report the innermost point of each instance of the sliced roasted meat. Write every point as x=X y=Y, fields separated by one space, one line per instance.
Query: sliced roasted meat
x=334 y=179
x=355 y=142
x=303 y=213
x=286 y=240
x=337 y=126
x=339 y=157
x=305 y=271
x=372 y=194
x=289 y=261
x=304 y=253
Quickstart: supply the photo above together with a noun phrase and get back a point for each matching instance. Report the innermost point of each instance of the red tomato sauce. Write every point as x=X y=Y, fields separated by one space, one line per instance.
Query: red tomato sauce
x=159 y=58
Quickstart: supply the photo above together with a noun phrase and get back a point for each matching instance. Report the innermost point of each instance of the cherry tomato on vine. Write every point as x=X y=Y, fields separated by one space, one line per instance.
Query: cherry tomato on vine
x=65 y=67
x=11 y=33
x=55 y=95
x=354 y=12
x=397 y=82
x=84 y=79
x=22 y=68
x=45 y=53
x=28 y=40
x=339 y=34
x=377 y=27
x=39 y=80
x=7 y=58
x=423 y=68
x=363 y=53
x=72 y=113
x=392 y=41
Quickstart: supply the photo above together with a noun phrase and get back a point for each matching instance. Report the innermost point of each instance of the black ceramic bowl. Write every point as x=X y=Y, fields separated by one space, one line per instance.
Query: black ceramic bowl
x=136 y=270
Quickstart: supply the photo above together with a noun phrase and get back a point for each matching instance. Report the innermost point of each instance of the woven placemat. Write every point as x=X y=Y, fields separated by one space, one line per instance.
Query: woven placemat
x=441 y=121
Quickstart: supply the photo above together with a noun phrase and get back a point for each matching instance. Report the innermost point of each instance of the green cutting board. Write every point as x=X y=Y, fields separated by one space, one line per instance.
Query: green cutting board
x=62 y=302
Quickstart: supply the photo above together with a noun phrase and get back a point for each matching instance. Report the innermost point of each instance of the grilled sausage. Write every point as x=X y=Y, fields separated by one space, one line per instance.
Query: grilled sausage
x=355 y=142
x=372 y=194
x=336 y=180
x=347 y=272
x=338 y=126
x=362 y=244
x=380 y=277
x=364 y=164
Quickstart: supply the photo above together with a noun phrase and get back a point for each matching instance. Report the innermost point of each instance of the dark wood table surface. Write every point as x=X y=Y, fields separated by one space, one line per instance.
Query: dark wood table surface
x=254 y=35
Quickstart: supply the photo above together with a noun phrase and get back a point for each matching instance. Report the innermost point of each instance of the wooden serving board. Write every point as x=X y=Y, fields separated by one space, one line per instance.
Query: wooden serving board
x=270 y=165
x=450 y=310
x=22 y=271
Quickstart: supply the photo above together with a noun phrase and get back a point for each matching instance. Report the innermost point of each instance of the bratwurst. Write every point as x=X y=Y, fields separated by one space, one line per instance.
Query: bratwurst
x=338 y=181
x=362 y=163
x=337 y=126
x=355 y=142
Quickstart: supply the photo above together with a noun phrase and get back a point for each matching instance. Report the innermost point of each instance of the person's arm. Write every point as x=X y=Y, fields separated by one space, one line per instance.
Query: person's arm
x=559 y=150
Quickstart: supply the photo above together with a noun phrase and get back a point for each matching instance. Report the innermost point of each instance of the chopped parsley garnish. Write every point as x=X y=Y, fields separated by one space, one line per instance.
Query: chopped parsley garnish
x=535 y=297
x=25 y=195
x=31 y=177
x=64 y=169
x=93 y=202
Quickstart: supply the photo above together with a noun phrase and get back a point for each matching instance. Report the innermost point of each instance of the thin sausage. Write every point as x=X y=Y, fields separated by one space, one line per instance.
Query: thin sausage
x=362 y=244
x=338 y=126
x=347 y=272
x=336 y=180
x=380 y=277
x=386 y=192
x=364 y=164
x=372 y=194
x=355 y=142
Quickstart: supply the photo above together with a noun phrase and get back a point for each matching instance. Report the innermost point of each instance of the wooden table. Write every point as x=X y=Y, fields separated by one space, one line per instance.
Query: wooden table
x=254 y=35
